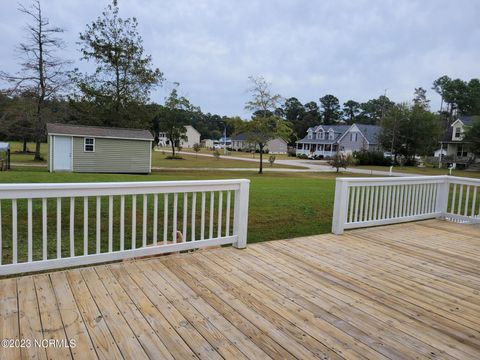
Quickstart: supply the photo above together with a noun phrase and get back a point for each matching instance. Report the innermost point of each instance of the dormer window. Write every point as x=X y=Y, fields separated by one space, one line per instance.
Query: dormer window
x=458 y=132
x=320 y=134
x=330 y=134
x=310 y=135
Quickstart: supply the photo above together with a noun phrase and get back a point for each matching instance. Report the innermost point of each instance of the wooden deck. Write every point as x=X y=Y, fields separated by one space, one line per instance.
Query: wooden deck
x=400 y=291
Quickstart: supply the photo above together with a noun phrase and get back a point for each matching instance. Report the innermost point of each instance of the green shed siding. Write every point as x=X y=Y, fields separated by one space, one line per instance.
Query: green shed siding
x=112 y=155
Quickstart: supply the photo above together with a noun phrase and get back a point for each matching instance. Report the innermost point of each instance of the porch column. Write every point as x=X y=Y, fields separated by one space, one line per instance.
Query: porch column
x=440 y=156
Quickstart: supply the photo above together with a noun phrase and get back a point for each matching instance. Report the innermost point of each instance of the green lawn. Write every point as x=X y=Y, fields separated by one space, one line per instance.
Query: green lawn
x=282 y=205
x=239 y=154
x=423 y=171
x=16 y=157
x=192 y=161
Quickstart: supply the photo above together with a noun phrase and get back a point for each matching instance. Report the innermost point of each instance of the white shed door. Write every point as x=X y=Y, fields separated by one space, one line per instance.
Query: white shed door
x=62 y=152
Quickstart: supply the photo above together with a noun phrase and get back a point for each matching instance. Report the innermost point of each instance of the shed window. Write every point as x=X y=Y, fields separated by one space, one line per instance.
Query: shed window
x=89 y=145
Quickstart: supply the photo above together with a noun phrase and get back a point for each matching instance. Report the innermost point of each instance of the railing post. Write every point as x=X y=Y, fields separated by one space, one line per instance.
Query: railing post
x=240 y=225
x=340 y=206
x=442 y=197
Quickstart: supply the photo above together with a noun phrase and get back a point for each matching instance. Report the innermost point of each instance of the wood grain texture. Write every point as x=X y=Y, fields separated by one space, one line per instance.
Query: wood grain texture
x=393 y=292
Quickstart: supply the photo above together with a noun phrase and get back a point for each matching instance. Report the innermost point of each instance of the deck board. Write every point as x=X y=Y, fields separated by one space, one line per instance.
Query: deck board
x=400 y=291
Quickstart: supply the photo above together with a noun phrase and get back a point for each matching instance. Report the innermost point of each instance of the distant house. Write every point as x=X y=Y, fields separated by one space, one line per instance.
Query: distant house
x=207 y=143
x=274 y=146
x=76 y=148
x=328 y=140
x=193 y=137
x=454 y=148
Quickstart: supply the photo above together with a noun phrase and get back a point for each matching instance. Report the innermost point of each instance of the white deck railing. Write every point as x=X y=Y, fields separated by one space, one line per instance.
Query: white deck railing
x=45 y=226
x=362 y=202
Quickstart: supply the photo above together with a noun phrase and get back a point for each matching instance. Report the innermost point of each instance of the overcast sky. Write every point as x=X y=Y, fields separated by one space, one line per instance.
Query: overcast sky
x=306 y=48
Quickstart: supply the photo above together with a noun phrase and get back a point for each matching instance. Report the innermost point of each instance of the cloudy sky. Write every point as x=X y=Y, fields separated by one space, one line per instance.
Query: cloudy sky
x=306 y=48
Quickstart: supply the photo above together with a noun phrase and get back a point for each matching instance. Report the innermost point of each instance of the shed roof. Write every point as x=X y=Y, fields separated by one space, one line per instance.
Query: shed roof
x=97 y=131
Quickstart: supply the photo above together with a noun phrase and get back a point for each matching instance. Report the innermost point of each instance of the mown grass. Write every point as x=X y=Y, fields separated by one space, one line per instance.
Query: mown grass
x=159 y=159
x=422 y=171
x=239 y=154
x=282 y=205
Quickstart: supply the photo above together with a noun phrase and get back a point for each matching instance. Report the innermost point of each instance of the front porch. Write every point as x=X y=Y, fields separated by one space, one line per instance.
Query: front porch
x=316 y=149
x=398 y=291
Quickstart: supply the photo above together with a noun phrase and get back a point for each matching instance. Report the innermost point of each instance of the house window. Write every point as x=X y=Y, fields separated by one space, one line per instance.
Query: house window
x=458 y=132
x=320 y=135
x=89 y=145
x=309 y=135
x=330 y=135
x=353 y=137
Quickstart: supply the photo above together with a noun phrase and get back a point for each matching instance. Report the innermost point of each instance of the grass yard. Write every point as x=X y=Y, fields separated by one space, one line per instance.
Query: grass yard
x=282 y=205
x=16 y=146
x=192 y=161
x=423 y=171
x=240 y=154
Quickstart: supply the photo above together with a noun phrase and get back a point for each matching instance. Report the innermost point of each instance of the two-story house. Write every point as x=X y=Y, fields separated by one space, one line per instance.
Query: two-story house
x=453 y=149
x=328 y=140
x=192 y=138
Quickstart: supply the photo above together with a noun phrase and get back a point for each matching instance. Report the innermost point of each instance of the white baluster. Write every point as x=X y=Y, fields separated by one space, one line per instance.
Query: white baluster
x=29 y=230
x=184 y=222
x=174 y=223
x=122 y=222
x=85 y=225
x=59 y=228
x=155 y=219
x=134 y=222
x=99 y=229
x=165 y=218
x=227 y=220
x=14 y=231
x=110 y=223
x=72 y=225
x=144 y=221
x=194 y=204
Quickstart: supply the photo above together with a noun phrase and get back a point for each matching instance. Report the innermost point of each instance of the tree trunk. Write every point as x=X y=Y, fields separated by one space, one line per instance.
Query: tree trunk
x=260 y=171
x=173 y=148
x=25 y=145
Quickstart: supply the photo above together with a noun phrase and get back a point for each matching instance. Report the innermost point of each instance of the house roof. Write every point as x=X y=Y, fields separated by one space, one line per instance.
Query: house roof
x=369 y=131
x=96 y=131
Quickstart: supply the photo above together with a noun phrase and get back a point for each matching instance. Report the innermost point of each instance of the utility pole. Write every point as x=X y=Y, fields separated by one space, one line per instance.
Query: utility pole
x=383 y=104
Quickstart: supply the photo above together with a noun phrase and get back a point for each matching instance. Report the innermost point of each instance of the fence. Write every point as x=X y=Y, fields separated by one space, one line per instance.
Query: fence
x=362 y=202
x=45 y=226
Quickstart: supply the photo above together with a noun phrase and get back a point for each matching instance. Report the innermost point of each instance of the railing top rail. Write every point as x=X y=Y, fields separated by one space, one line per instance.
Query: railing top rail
x=34 y=190
x=409 y=179
x=394 y=179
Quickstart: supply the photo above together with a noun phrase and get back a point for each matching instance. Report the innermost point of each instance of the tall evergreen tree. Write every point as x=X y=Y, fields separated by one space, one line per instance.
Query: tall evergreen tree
x=124 y=75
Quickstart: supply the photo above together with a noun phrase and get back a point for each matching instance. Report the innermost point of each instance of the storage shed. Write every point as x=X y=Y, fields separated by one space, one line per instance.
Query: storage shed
x=77 y=148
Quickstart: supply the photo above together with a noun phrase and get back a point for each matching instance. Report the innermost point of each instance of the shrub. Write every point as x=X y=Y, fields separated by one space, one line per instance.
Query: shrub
x=216 y=154
x=364 y=157
x=340 y=161
x=176 y=157
x=271 y=160
x=196 y=148
x=302 y=156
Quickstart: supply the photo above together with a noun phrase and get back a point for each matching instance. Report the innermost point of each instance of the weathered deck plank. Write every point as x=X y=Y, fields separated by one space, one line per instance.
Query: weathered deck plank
x=400 y=291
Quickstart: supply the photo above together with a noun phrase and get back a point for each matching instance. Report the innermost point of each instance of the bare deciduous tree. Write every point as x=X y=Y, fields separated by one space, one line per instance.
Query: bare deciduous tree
x=42 y=73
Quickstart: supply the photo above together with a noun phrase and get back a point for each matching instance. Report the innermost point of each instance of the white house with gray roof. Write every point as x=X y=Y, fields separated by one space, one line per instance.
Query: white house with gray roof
x=328 y=140
x=76 y=148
